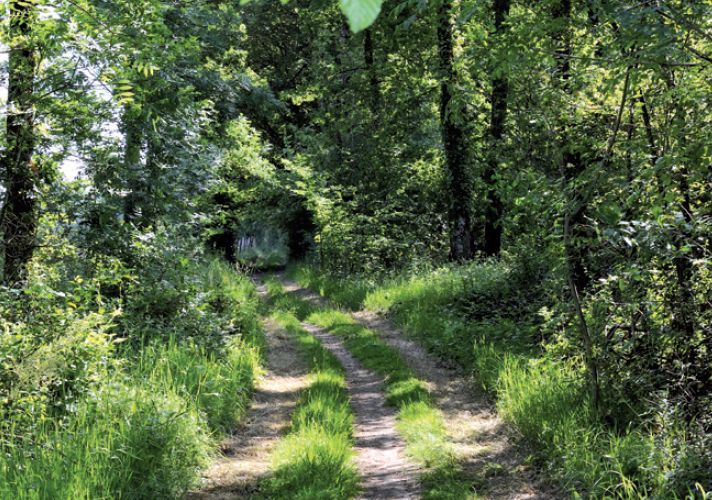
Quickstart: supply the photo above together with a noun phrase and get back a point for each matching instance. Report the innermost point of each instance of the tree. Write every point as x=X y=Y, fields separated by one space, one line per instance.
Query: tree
x=18 y=219
x=500 y=90
x=454 y=140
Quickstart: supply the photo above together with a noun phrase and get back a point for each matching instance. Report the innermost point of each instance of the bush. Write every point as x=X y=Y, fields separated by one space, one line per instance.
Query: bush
x=113 y=378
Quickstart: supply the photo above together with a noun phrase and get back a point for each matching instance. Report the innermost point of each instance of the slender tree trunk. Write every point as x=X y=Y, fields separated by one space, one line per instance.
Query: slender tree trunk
x=343 y=137
x=500 y=91
x=573 y=166
x=132 y=163
x=647 y=121
x=454 y=143
x=685 y=306
x=369 y=60
x=18 y=215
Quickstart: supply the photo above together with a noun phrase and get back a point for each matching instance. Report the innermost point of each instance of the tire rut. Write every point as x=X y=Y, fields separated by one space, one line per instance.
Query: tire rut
x=481 y=440
x=246 y=454
x=484 y=445
x=385 y=471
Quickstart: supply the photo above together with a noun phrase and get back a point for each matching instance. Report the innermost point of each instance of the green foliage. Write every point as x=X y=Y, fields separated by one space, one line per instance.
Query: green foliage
x=539 y=391
x=315 y=459
x=107 y=391
x=210 y=119
x=360 y=13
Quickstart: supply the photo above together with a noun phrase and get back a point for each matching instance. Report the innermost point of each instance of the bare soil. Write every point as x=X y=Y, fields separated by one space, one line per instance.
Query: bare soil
x=483 y=444
x=245 y=455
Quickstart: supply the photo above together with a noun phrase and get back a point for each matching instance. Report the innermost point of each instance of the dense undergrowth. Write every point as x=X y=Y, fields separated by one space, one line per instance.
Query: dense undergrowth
x=119 y=373
x=495 y=319
x=315 y=459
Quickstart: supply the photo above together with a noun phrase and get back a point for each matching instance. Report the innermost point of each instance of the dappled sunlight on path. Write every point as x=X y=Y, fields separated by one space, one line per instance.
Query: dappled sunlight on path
x=481 y=440
x=246 y=454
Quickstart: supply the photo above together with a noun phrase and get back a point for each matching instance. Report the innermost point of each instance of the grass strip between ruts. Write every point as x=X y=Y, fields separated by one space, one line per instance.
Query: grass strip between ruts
x=314 y=461
x=419 y=422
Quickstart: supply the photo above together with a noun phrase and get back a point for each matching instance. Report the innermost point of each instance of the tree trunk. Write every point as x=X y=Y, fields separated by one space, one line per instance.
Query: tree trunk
x=500 y=91
x=685 y=309
x=18 y=215
x=343 y=137
x=454 y=144
x=133 y=141
x=573 y=166
x=369 y=60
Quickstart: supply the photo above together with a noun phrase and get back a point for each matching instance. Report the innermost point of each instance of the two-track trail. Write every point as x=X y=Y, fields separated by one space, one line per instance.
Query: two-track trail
x=385 y=471
x=246 y=455
x=481 y=442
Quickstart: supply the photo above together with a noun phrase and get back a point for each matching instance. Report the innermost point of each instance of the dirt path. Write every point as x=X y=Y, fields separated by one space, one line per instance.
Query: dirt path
x=386 y=472
x=481 y=440
x=246 y=454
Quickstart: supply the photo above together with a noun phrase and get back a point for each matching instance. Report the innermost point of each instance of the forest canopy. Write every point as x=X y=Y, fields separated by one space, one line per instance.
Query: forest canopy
x=554 y=156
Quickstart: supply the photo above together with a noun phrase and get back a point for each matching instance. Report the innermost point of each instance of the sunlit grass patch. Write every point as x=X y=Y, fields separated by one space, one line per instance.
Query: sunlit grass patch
x=315 y=460
x=124 y=442
x=220 y=385
x=280 y=300
x=313 y=463
x=419 y=422
x=344 y=293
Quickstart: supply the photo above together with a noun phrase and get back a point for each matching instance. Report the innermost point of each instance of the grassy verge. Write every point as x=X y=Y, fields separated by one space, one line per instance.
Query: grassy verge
x=129 y=409
x=419 y=422
x=540 y=394
x=315 y=460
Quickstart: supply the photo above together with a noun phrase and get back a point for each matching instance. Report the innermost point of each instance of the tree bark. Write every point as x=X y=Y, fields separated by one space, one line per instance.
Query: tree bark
x=500 y=91
x=18 y=222
x=369 y=60
x=454 y=144
x=133 y=141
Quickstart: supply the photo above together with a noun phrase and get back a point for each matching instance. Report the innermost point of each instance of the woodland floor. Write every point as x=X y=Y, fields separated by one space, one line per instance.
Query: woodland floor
x=482 y=443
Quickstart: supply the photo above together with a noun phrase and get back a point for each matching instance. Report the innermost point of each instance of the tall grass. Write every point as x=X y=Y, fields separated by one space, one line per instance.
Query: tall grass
x=219 y=385
x=122 y=443
x=542 y=397
x=135 y=422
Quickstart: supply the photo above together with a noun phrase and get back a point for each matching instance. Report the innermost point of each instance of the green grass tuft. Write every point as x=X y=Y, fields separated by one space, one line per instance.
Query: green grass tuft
x=315 y=460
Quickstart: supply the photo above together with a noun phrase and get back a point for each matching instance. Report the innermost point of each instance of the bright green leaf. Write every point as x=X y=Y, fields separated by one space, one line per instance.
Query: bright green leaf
x=360 y=13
